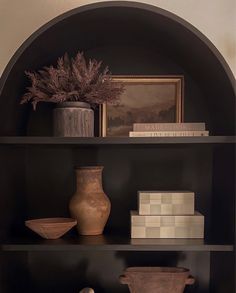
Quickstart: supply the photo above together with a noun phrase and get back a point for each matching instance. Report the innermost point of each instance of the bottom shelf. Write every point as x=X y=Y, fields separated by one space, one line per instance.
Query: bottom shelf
x=114 y=243
x=70 y=271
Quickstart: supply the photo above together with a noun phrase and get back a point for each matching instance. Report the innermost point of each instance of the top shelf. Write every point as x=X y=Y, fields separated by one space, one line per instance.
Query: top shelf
x=47 y=140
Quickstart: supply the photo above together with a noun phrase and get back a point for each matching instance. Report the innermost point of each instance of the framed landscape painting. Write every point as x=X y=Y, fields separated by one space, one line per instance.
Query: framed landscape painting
x=146 y=99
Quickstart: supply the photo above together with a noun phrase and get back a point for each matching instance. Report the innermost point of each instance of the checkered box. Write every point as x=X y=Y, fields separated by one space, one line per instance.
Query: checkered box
x=166 y=202
x=188 y=226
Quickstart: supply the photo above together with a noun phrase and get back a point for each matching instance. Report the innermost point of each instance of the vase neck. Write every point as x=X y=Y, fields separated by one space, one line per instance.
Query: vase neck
x=89 y=179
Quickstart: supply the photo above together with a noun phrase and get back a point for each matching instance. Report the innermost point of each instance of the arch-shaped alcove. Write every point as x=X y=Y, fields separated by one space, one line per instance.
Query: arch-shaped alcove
x=132 y=38
x=38 y=180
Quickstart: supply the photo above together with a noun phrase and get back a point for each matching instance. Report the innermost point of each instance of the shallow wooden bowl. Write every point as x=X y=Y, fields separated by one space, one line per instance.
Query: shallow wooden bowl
x=51 y=228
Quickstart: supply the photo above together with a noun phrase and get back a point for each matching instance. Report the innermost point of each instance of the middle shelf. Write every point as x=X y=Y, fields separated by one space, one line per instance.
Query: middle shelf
x=114 y=243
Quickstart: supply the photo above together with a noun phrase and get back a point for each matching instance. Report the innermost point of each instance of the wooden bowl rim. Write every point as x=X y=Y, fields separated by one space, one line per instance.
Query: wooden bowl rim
x=52 y=221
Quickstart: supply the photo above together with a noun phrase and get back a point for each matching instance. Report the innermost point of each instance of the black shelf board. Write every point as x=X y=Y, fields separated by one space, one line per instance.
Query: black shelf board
x=113 y=243
x=47 y=140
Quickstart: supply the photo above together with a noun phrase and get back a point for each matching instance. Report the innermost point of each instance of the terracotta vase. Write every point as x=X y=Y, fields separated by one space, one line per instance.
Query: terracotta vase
x=156 y=279
x=90 y=206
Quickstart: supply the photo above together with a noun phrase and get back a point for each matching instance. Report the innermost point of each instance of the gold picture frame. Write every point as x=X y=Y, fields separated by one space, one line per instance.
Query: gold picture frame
x=160 y=96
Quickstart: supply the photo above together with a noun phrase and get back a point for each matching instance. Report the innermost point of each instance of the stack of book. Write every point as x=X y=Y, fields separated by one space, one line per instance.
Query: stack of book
x=166 y=214
x=168 y=129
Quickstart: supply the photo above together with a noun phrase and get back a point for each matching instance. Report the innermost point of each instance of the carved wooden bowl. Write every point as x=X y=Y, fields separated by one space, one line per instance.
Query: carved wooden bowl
x=51 y=228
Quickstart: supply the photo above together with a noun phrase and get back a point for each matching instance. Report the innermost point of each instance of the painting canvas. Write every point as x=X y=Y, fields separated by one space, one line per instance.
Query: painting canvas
x=145 y=100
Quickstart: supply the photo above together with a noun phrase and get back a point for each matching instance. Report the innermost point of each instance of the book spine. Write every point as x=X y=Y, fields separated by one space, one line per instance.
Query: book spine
x=169 y=127
x=167 y=133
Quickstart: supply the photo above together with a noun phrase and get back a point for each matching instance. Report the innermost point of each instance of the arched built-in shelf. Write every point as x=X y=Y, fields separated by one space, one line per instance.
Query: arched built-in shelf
x=37 y=170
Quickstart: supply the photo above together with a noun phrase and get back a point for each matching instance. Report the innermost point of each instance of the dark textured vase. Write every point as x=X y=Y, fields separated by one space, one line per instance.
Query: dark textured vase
x=156 y=279
x=73 y=119
x=90 y=206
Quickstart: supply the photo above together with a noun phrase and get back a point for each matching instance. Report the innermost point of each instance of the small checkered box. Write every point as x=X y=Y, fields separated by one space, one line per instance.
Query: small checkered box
x=166 y=202
x=167 y=226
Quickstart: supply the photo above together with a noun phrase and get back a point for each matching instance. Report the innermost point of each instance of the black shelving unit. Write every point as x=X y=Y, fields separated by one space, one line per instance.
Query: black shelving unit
x=37 y=170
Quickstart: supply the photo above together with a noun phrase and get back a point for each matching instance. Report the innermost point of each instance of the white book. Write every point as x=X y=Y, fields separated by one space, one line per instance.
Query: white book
x=195 y=126
x=167 y=133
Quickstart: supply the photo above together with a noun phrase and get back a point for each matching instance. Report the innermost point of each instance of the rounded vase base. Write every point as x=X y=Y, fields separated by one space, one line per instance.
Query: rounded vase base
x=90 y=233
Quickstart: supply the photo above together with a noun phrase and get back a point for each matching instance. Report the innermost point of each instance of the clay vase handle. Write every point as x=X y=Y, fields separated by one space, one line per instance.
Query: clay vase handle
x=124 y=279
x=190 y=280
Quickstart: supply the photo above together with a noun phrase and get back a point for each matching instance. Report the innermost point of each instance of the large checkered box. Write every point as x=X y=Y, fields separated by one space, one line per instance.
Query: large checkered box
x=187 y=226
x=166 y=202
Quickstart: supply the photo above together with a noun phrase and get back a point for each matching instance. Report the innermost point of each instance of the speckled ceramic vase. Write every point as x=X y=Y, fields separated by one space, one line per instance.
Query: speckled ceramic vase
x=90 y=206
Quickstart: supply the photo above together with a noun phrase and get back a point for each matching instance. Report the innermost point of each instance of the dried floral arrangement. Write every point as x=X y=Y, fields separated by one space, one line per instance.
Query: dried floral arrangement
x=73 y=79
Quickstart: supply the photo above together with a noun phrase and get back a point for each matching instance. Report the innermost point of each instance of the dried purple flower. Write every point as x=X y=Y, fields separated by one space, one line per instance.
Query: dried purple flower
x=72 y=80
